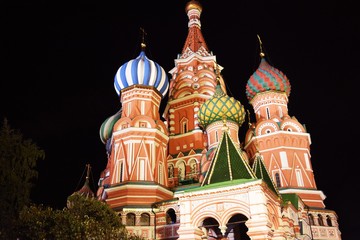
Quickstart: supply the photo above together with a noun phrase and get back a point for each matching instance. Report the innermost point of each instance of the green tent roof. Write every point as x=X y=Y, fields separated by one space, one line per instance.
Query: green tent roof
x=228 y=163
x=262 y=173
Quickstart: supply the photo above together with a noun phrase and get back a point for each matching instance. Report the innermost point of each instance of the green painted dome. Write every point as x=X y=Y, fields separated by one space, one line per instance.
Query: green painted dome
x=220 y=107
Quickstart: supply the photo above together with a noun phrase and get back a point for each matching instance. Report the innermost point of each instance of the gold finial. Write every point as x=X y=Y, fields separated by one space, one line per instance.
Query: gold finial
x=262 y=54
x=143 y=45
x=88 y=171
x=217 y=72
x=249 y=120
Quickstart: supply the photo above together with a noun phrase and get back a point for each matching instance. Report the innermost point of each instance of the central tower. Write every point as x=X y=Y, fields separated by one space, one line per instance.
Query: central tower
x=193 y=82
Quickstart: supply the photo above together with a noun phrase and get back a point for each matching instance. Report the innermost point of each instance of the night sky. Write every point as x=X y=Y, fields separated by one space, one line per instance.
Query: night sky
x=59 y=62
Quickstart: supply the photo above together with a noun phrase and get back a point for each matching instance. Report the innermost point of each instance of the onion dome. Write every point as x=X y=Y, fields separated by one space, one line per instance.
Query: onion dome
x=219 y=107
x=143 y=71
x=85 y=191
x=107 y=126
x=193 y=5
x=267 y=78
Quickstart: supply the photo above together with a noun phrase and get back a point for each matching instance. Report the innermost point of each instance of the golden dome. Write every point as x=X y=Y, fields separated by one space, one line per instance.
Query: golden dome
x=193 y=5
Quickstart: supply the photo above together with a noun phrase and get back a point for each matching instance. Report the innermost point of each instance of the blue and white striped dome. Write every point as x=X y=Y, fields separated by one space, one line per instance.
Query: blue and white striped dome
x=144 y=71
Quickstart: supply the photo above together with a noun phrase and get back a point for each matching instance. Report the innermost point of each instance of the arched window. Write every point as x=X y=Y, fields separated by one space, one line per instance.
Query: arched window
x=170 y=216
x=320 y=220
x=311 y=220
x=145 y=219
x=184 y=125
x=193 y=166
x=130 y=219
x=171 y=171
x=211 y=228
x=181 y=171
x=328 y=221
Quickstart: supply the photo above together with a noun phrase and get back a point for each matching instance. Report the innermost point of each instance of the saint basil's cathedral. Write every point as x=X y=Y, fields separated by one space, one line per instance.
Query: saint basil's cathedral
x=186 y=175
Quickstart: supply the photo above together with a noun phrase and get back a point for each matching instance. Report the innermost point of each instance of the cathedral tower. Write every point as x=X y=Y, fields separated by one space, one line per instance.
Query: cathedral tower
x=193 y=82
x=136 y=138
x=280 y=139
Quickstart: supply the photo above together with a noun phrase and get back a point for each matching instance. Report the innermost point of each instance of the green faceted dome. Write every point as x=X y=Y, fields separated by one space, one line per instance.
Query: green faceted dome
x=220 y=107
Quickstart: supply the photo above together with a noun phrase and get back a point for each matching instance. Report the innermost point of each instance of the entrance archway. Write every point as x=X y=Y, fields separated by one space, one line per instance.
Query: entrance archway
x=236 y=228
x=210 y=227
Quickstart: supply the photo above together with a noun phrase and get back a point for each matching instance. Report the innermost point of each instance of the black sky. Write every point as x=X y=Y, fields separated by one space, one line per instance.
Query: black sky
x=59 y=61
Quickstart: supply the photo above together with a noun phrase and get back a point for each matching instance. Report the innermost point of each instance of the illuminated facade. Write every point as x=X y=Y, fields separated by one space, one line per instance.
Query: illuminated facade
x=187 y=175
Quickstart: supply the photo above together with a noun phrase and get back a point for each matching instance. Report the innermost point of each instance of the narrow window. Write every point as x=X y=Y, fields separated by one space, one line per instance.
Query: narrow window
x=142 y=169
x=170 y=216
x=328 y=221
x=171 y=171
x=320 y=220
x=277 y=179
x=184 y=127
x=299 y=178
x=216 y=137
x=311 y=219
x=121 y=170
x=268 y=113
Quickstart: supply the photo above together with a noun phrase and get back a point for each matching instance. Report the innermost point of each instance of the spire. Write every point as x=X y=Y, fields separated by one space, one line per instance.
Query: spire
x=195 y=42
x=86 y=190
x=143 y=34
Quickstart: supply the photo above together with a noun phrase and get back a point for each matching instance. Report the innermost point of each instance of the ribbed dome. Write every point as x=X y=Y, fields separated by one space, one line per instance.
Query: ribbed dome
x=107 y=126
x=144 y=71
x=219 y=107
x=266 y=78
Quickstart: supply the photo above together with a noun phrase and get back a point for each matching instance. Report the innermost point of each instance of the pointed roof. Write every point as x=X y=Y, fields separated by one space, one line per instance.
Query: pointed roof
x=228 y=163
x=195 y=40
x=261 y=172
x=86 y=190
